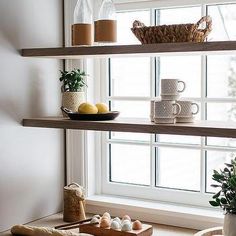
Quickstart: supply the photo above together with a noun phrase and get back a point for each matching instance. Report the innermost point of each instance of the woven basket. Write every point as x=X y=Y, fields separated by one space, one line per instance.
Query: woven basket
x=74 y=203
x=172 y=33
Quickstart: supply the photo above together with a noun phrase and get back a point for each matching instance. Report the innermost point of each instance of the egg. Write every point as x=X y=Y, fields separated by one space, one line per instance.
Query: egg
x=126 y=222
x=117 y=219
x=105 y=218
x=106 y=214
x=137 y=225
x=126 y=227
x=105 y=223
x=94 y=220
x=126 y=217
x=115 y=225
x=97 y=216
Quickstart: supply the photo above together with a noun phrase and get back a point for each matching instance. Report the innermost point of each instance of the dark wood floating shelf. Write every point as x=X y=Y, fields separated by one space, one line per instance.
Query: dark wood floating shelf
x=129 y=50
x=199 y=128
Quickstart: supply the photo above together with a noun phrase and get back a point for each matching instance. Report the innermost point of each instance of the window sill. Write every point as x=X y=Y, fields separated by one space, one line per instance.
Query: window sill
x=156 y=212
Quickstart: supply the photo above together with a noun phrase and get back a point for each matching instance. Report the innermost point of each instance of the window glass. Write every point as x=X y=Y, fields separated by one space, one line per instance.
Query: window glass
x=130 y=136
x=224 y=22
x=178 y=168
x=221 y=111
x=125 y=23
x=222 y=142
x=215 y=161
x=178 y=139
x=221 y=76
x=135 y=109
x=130 y=77
x=181 y=15
x=130 y=164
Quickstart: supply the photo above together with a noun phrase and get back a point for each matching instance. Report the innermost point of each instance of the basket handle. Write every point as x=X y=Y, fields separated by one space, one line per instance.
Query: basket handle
x=208 y=21
x=74 y=184
x=138 y=24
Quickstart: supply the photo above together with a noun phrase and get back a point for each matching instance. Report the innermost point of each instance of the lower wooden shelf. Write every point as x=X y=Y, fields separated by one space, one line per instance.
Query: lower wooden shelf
x=199 y=128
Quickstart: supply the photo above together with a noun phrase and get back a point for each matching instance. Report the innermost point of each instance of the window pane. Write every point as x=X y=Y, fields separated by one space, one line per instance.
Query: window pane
x=221 y=76
x=224 y=22
x=125 y=22
x=133 y=109
x=186 y=68
x=178 y=139
x=178 y=168
x=130 y=164
x=223 y=142
x=179 y=15
x=130 y=136
x=215 y=161
x=130 y=77
x=221 y=111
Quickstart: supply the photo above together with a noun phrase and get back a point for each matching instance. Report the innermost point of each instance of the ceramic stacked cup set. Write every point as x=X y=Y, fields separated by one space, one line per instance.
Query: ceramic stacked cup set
x=169 y=109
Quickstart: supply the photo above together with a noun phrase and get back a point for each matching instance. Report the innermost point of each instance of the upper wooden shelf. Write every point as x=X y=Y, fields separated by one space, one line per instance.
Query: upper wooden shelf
x=129 y=50
x=199 y=128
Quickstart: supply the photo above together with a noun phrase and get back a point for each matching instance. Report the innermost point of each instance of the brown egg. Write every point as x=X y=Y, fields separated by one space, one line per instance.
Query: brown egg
x=106 y=214
x=105 y=223
x=105 y=218
x=126 y=217
x=137 y=225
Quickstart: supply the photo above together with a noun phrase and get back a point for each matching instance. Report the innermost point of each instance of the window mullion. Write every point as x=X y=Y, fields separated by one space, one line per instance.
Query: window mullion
x=153 y=94
x=203 y=114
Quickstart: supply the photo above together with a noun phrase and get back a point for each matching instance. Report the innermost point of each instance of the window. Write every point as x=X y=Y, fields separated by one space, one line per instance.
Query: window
x=168 y=167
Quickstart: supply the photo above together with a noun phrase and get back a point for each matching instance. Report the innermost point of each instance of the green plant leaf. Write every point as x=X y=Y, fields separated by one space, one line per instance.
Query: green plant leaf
x=223 y=200
x=217 y=194
x=215 y=185
x=214 y=204
x=229 y=165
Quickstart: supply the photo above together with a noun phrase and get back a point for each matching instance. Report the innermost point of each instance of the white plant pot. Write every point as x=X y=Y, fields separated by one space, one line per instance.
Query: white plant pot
x=72 y=100
x=229 y=225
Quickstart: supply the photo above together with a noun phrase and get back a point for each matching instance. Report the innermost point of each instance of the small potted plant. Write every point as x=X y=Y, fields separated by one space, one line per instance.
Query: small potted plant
x=73 y=83
x=226 y=196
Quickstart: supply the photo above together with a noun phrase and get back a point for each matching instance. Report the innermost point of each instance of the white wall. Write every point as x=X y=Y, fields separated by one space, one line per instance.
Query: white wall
x=31 y=160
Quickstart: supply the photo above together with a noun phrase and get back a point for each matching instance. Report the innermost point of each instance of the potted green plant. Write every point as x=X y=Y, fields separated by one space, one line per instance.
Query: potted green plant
x=73 y=83
x=226 y=196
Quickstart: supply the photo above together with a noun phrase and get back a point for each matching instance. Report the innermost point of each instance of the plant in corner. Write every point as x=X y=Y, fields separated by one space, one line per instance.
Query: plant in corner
x=73 y=83
x=226 y=196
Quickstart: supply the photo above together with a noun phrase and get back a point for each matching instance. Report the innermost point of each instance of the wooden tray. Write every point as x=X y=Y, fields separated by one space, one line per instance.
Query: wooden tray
x=211 y=232
x=97 y=231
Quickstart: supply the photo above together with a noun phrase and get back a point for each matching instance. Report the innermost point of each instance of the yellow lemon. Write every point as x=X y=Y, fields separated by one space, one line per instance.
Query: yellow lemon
x=102 y=108
x=87 y=108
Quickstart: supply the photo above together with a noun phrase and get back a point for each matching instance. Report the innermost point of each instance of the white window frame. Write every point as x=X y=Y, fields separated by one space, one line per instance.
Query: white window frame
x=151 y=192
x=82 y=165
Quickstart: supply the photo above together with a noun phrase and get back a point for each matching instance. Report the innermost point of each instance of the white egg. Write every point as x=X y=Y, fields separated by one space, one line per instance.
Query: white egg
x=115 y=225
x=117 y=219
x=126 y=222
x=94 y=220
x=126 y=227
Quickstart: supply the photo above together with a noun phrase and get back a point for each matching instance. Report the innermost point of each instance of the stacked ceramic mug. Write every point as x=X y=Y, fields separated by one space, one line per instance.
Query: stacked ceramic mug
x=169 y=109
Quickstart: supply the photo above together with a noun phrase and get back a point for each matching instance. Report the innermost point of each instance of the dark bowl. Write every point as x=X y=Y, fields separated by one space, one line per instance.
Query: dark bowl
x=111 y=115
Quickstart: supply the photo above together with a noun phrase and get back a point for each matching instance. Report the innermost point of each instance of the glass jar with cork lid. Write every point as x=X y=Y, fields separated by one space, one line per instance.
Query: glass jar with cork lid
x=106 y=25
x=82 y=27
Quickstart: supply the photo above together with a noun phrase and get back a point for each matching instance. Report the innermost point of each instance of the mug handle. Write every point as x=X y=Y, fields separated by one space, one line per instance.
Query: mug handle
x=178 y=109
x=197 y=106
x=184 y=86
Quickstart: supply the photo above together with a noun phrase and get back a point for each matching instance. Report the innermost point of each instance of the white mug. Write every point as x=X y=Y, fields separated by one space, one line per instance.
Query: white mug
x=188 y=110
x=170 y=89
x=166 y=111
